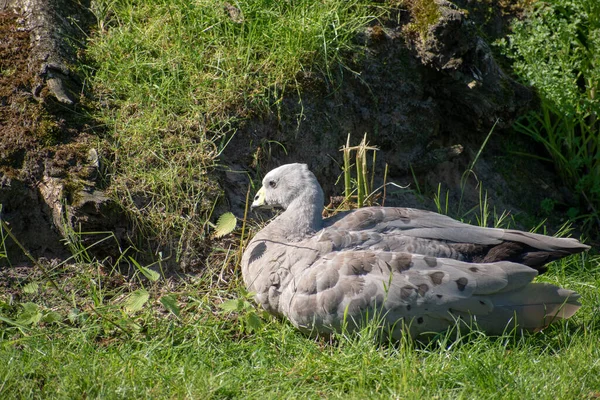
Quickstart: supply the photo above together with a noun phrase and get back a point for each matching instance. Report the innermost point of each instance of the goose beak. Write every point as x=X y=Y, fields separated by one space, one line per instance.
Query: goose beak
x=259 y=199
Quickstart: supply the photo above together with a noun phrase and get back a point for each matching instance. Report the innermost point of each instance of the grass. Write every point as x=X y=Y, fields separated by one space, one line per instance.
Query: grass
x=206 y=352
x=173 y=79
x=84 y=330
x=555 y=50
x=361 y=188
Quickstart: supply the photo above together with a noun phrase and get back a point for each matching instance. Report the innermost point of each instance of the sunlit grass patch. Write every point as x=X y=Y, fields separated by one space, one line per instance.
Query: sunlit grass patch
x=85 y=330
x=205 y=352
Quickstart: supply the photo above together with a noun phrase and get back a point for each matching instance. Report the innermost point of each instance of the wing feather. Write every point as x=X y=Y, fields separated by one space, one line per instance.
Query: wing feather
x=346 y=286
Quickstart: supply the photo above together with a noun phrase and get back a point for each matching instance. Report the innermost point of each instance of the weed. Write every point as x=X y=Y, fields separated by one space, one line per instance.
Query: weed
x=249 y=318
x=555 y=50
x=441 y=202
x=470 y=171
x=363 y=184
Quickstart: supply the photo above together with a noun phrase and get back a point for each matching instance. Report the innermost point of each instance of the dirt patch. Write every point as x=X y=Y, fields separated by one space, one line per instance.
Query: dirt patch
x=35 y=129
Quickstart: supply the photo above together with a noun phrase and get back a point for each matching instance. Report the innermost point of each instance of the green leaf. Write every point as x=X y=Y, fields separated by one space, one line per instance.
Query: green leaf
x=225 y=224
x=74 y=315
x=150 y=274
x=129 y=325
x=136 y=300
x=572 y=212
x=232 y=305
x=254 y=322
x=12 y=322
x=31 y=287
x=147 y=272
x=31 y=314
x=30 y=307
x=51 y=317
x=170 y=303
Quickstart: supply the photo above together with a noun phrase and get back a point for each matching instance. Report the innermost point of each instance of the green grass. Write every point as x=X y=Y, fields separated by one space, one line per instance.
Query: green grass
x=173 y=79
x=83 y=330
x=555 y=50
x=207 y=353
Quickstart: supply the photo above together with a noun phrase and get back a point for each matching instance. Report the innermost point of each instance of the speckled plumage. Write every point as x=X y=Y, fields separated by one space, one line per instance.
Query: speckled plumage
x=420 y=270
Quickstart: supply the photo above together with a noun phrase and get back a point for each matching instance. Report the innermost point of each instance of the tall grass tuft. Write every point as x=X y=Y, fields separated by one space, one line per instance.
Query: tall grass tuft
x=361 y=188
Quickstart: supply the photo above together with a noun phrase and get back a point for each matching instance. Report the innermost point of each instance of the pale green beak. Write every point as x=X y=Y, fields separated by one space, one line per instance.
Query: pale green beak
x=259 y=199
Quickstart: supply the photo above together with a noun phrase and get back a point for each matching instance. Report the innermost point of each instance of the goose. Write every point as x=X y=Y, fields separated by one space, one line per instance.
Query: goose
x=418 y=271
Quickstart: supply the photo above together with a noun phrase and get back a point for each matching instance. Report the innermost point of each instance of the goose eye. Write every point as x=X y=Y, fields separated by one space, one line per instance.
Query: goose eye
x=272 y=184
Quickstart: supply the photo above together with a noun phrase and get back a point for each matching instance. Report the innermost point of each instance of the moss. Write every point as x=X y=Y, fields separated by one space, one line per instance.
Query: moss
x=72 y=190
x=425 y=13
x=47 y=131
